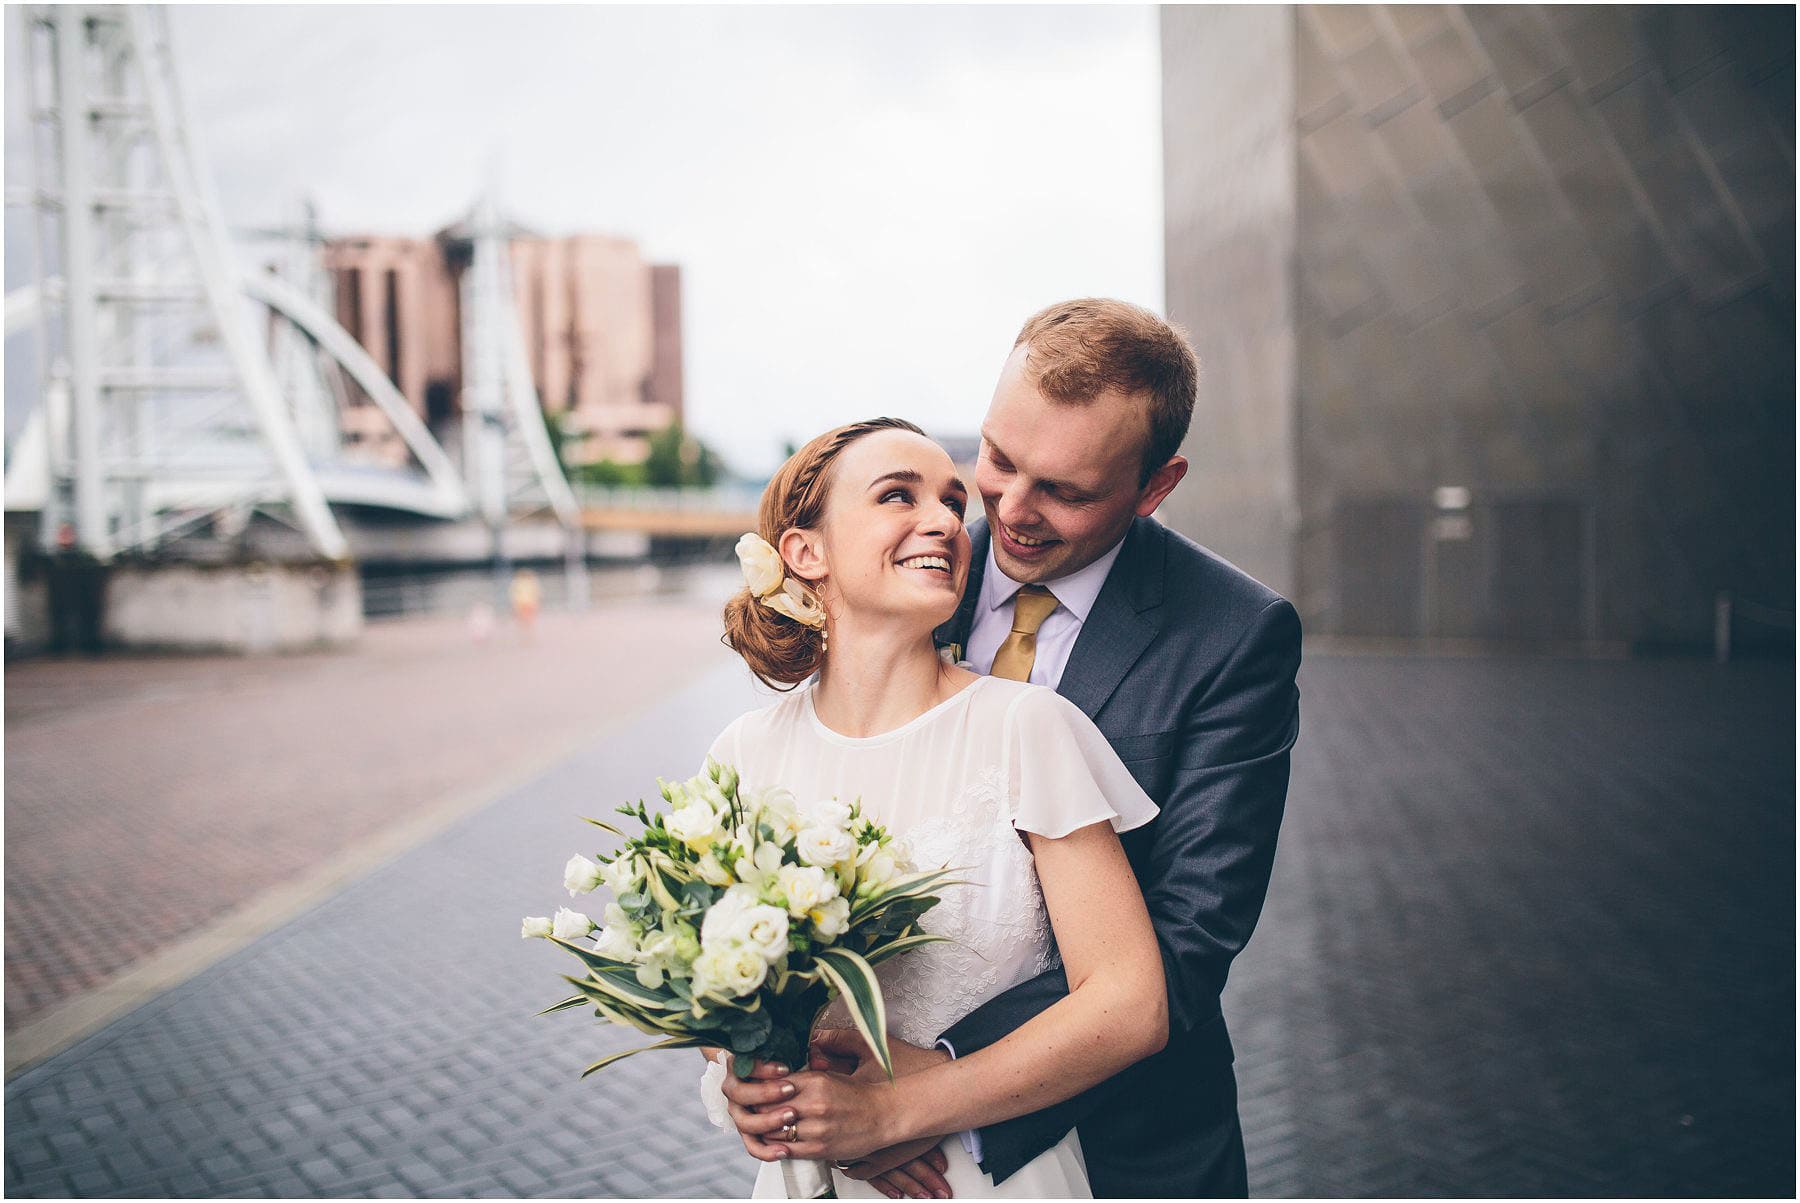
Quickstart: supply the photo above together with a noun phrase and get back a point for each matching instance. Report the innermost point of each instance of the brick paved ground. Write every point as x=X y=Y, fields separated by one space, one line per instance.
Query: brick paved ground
x=1531 y=932
x=144 y=796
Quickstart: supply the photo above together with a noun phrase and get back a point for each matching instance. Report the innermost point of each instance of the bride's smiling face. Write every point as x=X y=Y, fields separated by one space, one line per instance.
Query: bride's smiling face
x=892 y=540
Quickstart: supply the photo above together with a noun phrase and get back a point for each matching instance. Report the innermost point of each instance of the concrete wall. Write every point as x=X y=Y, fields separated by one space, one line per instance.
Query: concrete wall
x=255 y=608
x=1542 y=256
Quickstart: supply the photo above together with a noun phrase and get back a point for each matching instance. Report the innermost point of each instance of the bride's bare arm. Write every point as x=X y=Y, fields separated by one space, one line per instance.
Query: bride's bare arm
x=1116 y=1013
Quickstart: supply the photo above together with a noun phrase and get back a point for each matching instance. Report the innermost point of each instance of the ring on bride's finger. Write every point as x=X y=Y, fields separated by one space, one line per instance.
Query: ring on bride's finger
x=842 y=1165
x=790 y=1132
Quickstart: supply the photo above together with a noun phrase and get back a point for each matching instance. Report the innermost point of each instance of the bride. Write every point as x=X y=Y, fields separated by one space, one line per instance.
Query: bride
x=1010 y=782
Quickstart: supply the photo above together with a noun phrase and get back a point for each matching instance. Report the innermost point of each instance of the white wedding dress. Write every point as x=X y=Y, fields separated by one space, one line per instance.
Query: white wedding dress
x=959 y=783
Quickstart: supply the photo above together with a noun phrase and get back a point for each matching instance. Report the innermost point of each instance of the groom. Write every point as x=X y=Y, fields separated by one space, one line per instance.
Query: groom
x=1187 y=666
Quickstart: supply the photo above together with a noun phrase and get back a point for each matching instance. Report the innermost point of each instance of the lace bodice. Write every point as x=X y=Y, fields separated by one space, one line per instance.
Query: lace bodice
x=959 y=783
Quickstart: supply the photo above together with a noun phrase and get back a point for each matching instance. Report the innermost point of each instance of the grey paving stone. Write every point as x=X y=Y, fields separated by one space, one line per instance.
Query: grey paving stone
x=1526 y=917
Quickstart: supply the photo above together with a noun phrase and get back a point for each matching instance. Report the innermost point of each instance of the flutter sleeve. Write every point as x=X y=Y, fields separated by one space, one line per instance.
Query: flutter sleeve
x=725 y=749
x=1062 y=773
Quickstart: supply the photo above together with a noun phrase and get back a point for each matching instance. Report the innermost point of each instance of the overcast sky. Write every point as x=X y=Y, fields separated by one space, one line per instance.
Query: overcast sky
x=865 y=201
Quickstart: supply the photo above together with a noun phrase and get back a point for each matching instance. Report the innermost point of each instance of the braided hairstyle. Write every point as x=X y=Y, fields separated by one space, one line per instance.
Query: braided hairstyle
x=778 y=649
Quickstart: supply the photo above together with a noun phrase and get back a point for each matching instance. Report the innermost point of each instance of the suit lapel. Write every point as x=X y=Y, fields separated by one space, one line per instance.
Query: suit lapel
x=956 y=631
x=1122 y=623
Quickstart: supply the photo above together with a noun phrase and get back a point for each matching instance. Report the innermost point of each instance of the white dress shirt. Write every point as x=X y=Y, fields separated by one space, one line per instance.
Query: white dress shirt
x=1075 y=597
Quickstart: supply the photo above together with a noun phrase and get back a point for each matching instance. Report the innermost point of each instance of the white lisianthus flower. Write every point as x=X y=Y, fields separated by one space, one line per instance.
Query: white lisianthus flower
x=535 y=926
x=729 y=971
x=827 y=812
x=712 y=872
x=570 y=925
x=831 y=920
x=581 y=876
x=805 y=887
x=761 y=563
x=694 y=825
x=621 y=876
x=825 y=846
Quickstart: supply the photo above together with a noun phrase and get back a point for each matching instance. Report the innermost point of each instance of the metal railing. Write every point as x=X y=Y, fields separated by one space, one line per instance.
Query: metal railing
x=720 y=499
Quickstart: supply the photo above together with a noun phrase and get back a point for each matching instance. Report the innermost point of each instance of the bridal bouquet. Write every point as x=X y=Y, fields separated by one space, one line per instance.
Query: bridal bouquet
x=737 y=915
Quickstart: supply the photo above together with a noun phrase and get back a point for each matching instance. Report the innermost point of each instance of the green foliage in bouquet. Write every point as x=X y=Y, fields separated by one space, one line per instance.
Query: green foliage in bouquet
x=737 y=916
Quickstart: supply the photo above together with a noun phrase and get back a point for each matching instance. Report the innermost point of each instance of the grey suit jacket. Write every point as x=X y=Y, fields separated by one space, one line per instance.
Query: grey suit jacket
x=1187 y=666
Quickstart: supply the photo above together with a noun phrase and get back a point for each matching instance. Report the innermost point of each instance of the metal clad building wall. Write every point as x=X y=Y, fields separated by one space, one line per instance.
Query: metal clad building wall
x=1546 y=255
x=1228 y=156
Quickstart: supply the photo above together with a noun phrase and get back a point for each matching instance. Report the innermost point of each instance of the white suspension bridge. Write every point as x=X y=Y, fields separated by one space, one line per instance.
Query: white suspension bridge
x=181 y=395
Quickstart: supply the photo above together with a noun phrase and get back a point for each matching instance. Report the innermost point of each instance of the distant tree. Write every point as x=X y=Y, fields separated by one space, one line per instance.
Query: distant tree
x=607 y=473
x=678 y=460
x=706 y=466
x=665 y=466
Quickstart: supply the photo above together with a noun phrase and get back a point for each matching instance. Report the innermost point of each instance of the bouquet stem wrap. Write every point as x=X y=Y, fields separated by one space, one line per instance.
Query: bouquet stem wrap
x=807 y=1180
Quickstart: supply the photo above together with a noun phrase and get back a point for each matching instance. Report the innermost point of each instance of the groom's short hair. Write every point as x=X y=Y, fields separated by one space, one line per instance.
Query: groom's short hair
x=1080 y=349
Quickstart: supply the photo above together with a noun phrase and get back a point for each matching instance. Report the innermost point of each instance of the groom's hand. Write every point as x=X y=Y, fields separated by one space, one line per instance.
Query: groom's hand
x=843 y=1050
x=914 y=1170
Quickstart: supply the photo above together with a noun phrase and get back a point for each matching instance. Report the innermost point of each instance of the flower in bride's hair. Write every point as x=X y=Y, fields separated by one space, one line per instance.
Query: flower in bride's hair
x=795 y=601
x=761 y=563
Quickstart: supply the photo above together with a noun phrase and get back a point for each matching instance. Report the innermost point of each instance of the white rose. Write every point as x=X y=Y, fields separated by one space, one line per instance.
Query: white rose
x=741 y=917
x=825 y=846
x=761 y=563
x=831 y=920
x=535 y=926
x=729 y=971
x=722 y=916
x=765 y=929
x=776 y=808
x=570 y=925
x=694 y=825
x=828 y=812
x=805 y=887
x=581 y=876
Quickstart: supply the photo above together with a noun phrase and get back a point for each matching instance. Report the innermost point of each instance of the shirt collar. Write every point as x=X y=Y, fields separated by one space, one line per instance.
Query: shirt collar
x=1077 y=591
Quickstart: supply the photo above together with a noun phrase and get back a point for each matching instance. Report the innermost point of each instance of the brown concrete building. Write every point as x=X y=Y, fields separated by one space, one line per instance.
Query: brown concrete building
x=1495 y=309
x=398 y=298
x=602 y=332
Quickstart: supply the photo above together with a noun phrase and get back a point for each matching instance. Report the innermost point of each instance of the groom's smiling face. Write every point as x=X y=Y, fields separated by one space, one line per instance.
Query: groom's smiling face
x=1059 y=481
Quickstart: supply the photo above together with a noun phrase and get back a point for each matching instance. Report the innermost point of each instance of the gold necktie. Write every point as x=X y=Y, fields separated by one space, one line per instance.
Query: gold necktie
x=1031 y=605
